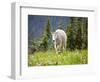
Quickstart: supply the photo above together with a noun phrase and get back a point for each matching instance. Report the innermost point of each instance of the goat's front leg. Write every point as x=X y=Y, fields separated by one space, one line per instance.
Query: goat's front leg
x=55 y=46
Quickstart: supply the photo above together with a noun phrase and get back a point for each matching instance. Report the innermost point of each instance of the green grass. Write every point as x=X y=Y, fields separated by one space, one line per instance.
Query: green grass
x=51 y=58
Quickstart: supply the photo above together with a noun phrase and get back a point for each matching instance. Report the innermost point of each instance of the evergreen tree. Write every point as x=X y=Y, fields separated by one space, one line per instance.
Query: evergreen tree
x=72 y=44
x=85 y=34
x=68 y=33
x=78 y=40
x=82 y=31
x=46 y=36
x=77 y=33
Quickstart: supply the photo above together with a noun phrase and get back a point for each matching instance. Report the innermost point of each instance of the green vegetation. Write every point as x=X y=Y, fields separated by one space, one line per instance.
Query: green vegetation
x=77 y=33
x=65 y=58
x=41 y=50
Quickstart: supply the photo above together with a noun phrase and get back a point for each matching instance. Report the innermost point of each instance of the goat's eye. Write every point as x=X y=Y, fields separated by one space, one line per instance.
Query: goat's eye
x=53 y=40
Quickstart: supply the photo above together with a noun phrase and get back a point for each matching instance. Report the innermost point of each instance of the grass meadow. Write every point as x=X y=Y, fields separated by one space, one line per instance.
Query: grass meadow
x=49 y=58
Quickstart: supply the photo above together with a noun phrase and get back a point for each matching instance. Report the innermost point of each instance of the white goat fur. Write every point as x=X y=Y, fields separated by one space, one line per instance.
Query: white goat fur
x=59 y=39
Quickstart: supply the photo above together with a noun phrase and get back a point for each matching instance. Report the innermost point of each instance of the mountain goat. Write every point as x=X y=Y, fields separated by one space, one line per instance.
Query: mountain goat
x=59 y=40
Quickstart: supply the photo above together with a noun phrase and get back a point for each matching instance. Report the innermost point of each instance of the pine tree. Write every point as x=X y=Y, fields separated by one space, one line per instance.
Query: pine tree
x=68 y=33
x=84 y=31
x=46 y=35
x=77 y=33
x=78 y=40
x=72 y=32
x=85 y=37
